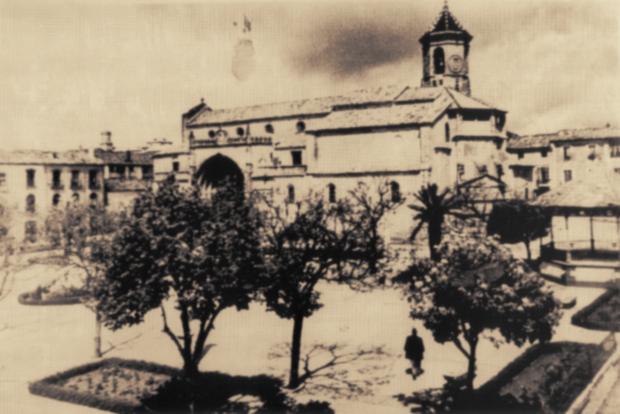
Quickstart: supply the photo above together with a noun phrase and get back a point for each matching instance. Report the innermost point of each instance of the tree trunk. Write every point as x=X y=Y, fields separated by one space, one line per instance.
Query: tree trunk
x=528 y=250
x=471 y=366
x=434 y=236
x=98 y=353
x=298 y=323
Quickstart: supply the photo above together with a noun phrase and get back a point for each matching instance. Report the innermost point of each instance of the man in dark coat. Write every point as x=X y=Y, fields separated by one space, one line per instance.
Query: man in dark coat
x=414 y=352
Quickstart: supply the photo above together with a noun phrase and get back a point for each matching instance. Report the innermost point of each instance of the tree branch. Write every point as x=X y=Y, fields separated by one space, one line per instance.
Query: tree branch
x=169 y=332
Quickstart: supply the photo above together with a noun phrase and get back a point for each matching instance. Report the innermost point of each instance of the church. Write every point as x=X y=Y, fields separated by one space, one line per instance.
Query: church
x=405 y=135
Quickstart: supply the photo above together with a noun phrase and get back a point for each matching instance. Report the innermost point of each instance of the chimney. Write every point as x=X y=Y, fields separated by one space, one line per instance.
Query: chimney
x=106 y=141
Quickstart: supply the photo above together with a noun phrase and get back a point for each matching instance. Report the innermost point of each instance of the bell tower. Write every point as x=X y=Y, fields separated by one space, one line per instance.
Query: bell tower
x=445 y=50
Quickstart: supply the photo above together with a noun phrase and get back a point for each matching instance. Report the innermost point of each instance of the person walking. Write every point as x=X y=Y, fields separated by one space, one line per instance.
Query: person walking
x=414 y=352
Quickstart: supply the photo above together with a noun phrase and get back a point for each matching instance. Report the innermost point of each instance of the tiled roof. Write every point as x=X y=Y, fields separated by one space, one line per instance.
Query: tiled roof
x=467 y=102
x=393 y=115
x=118 y=185
x=447 y=22
x=125 y=157
x=595 y=191
x=37 y=157
x=545 y=140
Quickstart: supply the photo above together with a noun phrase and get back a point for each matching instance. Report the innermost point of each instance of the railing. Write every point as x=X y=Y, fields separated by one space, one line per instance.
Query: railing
x=77 y=186
x=581 y=250
x=57 y=186
x=215 y=142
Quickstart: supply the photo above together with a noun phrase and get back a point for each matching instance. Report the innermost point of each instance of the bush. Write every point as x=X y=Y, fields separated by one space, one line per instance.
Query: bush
x=602 y=320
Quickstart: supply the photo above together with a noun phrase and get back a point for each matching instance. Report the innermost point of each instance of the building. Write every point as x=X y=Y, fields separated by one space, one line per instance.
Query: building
x=127 y=173
x=402 y=134
x=32 y=183
x=541 y=162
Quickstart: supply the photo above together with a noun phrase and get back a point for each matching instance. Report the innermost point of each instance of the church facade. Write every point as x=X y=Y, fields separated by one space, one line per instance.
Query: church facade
x=405 y=135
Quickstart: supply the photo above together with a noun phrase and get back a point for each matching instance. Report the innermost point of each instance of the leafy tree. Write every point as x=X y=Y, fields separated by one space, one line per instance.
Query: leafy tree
x=517 y=221
x=202 y=253
x=333 y=242
x=84 y=232
x=432 y=207
x=476 y=286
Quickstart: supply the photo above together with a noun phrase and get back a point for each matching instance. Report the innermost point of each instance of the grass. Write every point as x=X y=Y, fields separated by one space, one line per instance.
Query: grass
x=602 y=314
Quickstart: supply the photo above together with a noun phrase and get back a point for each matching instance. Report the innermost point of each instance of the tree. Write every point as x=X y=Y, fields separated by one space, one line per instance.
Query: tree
x=84 y=232
x=333 y=242
x=202 y=253
x=517 y=221
x=476 y=286
x=432 y=207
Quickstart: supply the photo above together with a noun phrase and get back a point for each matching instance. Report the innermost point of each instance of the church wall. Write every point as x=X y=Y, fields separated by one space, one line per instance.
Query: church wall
x=367 y=152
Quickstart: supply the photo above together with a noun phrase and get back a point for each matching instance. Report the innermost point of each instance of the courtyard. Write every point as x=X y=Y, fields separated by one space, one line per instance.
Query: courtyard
x=41 y=340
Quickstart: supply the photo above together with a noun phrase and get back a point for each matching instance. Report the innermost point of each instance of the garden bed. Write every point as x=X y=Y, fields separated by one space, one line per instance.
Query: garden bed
x=553 y=373
x=42 y=297
x=126 y=386
x=113 y=384
x=602 y=314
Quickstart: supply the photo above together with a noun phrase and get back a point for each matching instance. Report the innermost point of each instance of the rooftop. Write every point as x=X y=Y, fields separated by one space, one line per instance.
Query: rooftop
x=594 y=191
x=129 y=157
x=564 y=135
x=38 y=157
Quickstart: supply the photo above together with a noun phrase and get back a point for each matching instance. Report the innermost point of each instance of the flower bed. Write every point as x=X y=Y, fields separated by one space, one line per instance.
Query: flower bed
x=552 y=373
x=113 y=384
x=44 y=295
x=602 y=314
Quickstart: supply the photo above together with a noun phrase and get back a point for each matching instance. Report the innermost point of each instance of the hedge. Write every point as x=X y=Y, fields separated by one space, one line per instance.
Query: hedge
x=28 y=299
x=48 y=387
x=581 y=318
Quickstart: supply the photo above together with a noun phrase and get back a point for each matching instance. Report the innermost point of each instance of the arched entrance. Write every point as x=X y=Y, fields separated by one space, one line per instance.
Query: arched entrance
x=218 y=170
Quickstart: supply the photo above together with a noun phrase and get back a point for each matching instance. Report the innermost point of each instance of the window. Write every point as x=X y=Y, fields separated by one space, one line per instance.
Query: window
x=395 y=191
x=211 y=133
x=568 y=175
x=93 y=179
x=147 y=172
x=75 y=180
x=56 y=181
x=566 y=150
x=2 y=179
x=499 y=170
x=301 y=126
x=543 y=175
x=75 y=197
x=240 y=131
x=523 y=172
x=30 y=176
x=592 y=154
x=93 y=199
x=30 y=231
x=544 y=153
x=615 y=151
x=520 y=155
x=291 y=194
x=482 y=170
x=56 y=200
x=269 y=129
x=332 y=193
x=31 y=203
x=447 y=132
x=296 y=156
x=176 y=166
x=439 y=61
x=460 y=170
x=617 y=170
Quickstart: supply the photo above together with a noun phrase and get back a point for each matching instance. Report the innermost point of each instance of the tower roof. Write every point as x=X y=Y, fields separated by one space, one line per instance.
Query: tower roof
x=446 y=22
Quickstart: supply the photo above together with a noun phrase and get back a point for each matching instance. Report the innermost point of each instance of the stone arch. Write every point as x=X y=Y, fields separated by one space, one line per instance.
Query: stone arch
x=217 y=170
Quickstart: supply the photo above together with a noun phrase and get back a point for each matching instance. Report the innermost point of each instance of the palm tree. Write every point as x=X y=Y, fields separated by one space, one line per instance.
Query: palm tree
x=432 y=207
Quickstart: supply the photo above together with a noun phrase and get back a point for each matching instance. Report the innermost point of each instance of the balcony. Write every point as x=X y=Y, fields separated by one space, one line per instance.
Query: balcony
x=77 y=187
x=58 y=186
x=94 y=185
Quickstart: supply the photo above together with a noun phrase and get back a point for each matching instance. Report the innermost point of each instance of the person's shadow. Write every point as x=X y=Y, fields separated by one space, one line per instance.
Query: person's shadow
x=415 y=375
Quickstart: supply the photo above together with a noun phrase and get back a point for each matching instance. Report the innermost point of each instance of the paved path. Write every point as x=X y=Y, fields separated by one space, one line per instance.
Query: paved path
x=39 y=341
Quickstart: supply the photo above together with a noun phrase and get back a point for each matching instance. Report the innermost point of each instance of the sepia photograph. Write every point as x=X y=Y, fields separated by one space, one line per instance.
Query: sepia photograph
x=309 y=206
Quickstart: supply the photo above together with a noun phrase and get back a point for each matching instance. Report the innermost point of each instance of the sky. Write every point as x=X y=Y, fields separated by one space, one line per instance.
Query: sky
x=69 y=70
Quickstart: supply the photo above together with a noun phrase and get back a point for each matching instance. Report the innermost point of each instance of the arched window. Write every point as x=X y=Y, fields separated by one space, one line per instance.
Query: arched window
x=395 y=191
x=31 y=203
x=332 y=192
x=56 y=200
x=269 y=129
x=301 y=126
x=30 y=231
x=291 y=193
x=447 y=131
x=439 y=62
x=75 y=197
x=93 y=199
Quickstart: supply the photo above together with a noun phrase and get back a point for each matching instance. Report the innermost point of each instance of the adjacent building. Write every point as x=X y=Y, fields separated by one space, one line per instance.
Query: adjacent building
x=32 y=183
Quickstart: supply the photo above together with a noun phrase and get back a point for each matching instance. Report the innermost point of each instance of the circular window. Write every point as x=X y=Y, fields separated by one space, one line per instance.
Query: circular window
x=240 y=131
x=269 y=129
x=211 y=133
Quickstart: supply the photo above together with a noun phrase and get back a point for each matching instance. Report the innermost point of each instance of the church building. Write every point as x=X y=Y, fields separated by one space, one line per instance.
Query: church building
x=403 y=134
